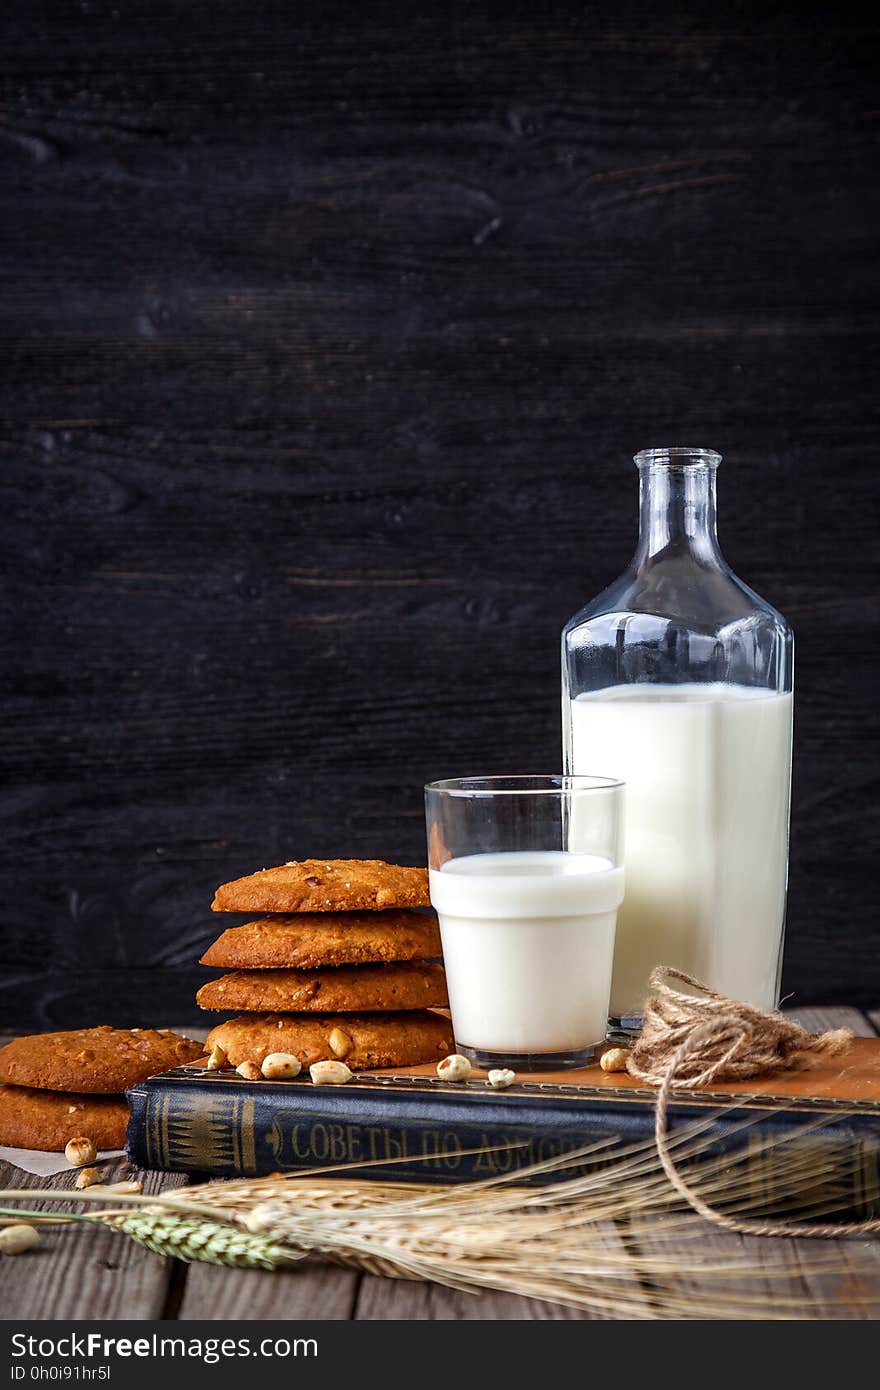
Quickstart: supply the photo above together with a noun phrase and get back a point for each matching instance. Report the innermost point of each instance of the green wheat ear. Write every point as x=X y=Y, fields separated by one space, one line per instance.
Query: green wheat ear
x=190 y=1238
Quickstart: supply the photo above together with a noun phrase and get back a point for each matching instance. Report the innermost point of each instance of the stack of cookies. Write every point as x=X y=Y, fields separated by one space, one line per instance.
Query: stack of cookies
x=55 y=1087
x=342 y=964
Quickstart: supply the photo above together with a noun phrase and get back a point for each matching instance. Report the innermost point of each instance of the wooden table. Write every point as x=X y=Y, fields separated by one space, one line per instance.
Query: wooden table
x=97 y=1274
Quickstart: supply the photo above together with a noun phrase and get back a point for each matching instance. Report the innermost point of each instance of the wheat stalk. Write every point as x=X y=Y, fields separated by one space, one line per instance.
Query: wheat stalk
x=558 y=1242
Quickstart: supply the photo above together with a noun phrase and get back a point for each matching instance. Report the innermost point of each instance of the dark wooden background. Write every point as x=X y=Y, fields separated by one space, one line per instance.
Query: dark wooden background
x=327 y=333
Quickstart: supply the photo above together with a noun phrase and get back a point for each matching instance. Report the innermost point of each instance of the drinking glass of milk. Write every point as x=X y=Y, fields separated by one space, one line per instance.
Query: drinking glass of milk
x=678 y=679
x=527 y=922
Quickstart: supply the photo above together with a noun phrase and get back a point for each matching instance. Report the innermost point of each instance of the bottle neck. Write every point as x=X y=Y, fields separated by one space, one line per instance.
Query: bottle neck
x=677 y=511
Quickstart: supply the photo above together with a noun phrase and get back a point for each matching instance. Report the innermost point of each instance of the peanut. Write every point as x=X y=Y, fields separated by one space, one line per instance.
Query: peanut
x=340 y=1043
x=501 y=1077
x=329 y=1073
x=249 y=1070
x=80 y=1151
x=217 y=1059
x=279 y=1066
x=454 y=1068
x=14 y=1240
x=615 y=1059
x=87 y=1177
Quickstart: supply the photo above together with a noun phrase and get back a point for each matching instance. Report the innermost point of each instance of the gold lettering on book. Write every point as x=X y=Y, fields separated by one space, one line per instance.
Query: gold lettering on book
x=248 y=1138
x=441 y=1148
x=300 y=1149
x=297 y=1142
x=337 y=1143
x=384 y=1143
x=507 y=1152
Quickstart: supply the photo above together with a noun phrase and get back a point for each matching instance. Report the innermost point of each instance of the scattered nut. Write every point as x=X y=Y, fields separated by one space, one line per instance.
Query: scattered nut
x=14 y=1240
x=615 y=1059
x=87 y=1177
x=127 y=1186
x=217 y=1059
x=249 y=1070
x=501 y=1077
x=454 y=1068
x=80 y=1151
x=278 y=1066
x=329 y=1073
x=340 y=1043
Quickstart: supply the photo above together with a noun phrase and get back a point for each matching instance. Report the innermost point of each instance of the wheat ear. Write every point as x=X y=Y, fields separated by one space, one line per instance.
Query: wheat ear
x=190 y=1238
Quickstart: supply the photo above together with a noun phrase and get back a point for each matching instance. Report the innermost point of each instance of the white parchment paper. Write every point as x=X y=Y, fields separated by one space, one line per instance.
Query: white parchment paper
x=46 y=1165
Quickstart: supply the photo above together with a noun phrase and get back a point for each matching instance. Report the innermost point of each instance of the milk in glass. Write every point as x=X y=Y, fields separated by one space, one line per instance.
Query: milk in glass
x=528 y=940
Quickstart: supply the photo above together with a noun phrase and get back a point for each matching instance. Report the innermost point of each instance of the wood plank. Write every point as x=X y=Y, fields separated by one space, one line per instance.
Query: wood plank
x=316 y=1290
x=760 y=1277
x=407 y=1300
x=79 y=1272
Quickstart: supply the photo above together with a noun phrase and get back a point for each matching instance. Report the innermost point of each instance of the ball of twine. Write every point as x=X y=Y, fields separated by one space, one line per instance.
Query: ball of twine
x=690 y=1040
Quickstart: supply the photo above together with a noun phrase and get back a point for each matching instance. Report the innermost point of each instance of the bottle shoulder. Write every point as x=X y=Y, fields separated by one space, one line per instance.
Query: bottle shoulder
x=675 y=589
x=674 y=622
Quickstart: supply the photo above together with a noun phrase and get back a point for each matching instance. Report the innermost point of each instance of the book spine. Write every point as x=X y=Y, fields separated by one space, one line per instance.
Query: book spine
x=229 y=1133
x=778 y=1162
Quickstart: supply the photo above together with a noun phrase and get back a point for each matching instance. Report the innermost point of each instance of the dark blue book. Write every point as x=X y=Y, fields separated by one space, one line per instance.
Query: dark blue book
x=808 y=1143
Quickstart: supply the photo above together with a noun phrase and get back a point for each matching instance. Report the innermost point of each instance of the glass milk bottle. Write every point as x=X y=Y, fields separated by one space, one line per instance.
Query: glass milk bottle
x=678 y=680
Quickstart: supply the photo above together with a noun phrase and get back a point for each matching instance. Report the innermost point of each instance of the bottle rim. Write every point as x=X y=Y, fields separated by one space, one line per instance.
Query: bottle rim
x=677 y=456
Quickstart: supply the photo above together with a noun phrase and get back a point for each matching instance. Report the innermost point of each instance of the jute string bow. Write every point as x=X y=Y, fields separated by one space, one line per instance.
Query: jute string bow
x=691 y=1040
